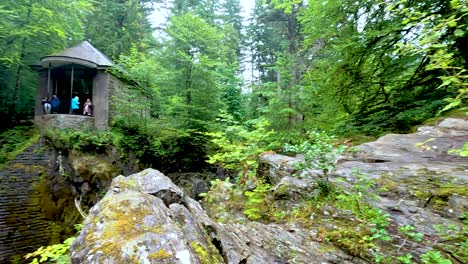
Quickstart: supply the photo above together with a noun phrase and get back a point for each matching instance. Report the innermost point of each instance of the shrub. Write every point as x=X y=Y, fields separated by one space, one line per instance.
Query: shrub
x=319 y=152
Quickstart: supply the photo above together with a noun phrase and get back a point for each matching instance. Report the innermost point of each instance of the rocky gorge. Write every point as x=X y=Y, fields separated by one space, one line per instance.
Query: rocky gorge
x=400 y=199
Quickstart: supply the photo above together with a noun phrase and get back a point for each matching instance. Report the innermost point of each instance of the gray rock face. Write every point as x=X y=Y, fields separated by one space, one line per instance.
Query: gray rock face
x=418 y=181
x=145 y=218
x=417 y=169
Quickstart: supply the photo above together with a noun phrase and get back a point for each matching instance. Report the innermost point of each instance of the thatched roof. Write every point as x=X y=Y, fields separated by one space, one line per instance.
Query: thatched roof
x=83 y=53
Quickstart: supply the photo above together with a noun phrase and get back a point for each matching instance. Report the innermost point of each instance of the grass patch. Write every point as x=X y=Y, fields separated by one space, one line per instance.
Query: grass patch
x=16 y=140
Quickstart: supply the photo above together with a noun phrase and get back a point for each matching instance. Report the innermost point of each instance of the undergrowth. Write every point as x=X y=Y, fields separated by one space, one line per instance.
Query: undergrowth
x=15 y=141
x=58 y=253
x=90 y=141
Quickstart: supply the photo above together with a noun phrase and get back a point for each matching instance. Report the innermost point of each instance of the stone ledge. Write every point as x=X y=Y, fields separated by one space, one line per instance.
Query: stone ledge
x=64 y=121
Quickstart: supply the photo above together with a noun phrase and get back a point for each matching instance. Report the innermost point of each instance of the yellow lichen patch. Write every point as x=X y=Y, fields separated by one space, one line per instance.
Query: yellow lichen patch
x=132 y=183
x=160 y=254
x=125 y=203
x=154 y=229
x=126 y=184
x=123 y=221
x=203 y=255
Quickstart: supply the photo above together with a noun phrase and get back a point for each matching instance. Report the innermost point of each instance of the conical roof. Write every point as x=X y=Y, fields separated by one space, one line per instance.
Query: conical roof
x=83 y=53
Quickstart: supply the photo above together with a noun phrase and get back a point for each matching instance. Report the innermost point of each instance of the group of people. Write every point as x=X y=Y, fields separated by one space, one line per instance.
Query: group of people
x=87 y=106
x=52 y=106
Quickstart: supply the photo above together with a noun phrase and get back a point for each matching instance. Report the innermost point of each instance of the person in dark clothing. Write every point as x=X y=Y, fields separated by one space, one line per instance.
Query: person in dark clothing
x=55 y=103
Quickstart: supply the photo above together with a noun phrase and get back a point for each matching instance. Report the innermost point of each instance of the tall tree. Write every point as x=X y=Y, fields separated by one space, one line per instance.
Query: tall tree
x=33 y=29
x=367 y=68
x=115 y=26
x=193 y=57
x=276 y=56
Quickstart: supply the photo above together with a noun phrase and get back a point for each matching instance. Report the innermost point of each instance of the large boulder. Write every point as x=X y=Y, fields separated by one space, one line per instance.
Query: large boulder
x=145 y=218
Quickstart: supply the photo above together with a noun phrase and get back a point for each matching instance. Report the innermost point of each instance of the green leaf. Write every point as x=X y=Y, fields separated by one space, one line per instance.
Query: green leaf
x=458 y=32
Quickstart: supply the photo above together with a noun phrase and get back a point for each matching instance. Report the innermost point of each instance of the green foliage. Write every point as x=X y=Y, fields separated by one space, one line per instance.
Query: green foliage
x=15 y=140
x=434 y=257
x=455 y=238
x=356 y=200
x=240 y=147
x=158 y=144
x=31 y=29
x=437 y=40
x=406 y=259
x=58 y=253
x=256 y=205
x=361 y=66
x=82 y=140
x=287 y=5
x=122 y=25
x=408 y=231
x=463 y=151
x=140 y=97
x=319 y=152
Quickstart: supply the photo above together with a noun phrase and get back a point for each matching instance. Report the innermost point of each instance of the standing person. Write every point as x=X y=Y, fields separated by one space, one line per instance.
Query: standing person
x=46 y=105
x=75 y=105
x=88 y=108
x=55 y=102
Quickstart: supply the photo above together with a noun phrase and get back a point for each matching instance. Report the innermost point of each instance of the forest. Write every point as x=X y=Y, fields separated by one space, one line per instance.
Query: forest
x=353 y=68
x=212 y=88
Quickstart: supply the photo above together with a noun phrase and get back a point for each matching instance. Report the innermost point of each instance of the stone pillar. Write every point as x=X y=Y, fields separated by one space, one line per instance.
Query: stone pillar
x=101 y=100
x=41 y=92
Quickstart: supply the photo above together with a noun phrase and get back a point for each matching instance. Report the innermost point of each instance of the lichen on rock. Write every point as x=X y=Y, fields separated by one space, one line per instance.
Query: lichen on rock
x=140 y=220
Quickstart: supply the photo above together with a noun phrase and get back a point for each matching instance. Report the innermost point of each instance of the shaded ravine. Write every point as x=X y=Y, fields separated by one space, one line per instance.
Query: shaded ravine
x=23 y=226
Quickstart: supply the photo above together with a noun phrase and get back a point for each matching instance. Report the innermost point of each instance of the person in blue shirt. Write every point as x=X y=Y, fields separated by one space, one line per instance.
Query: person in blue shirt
x=55 y=102
x=75 y=105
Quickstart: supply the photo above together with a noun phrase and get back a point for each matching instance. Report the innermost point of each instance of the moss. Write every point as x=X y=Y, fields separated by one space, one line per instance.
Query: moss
x=442 y=195
x=282 y=191
x=160 y=254
x=203 y=254
x=432 y=189
x=92 y=167
x=15 y=141
x=349 y=240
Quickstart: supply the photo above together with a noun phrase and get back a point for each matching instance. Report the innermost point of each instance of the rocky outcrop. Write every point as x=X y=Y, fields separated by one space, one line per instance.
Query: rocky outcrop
x=145 y=218
x=418 y=181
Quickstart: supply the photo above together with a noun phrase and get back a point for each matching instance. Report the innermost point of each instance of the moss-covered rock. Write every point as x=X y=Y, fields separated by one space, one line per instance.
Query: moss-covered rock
x=145 y=218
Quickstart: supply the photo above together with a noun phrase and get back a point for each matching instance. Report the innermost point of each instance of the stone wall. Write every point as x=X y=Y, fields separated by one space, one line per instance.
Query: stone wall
x=62 y=121
x=23 y=227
